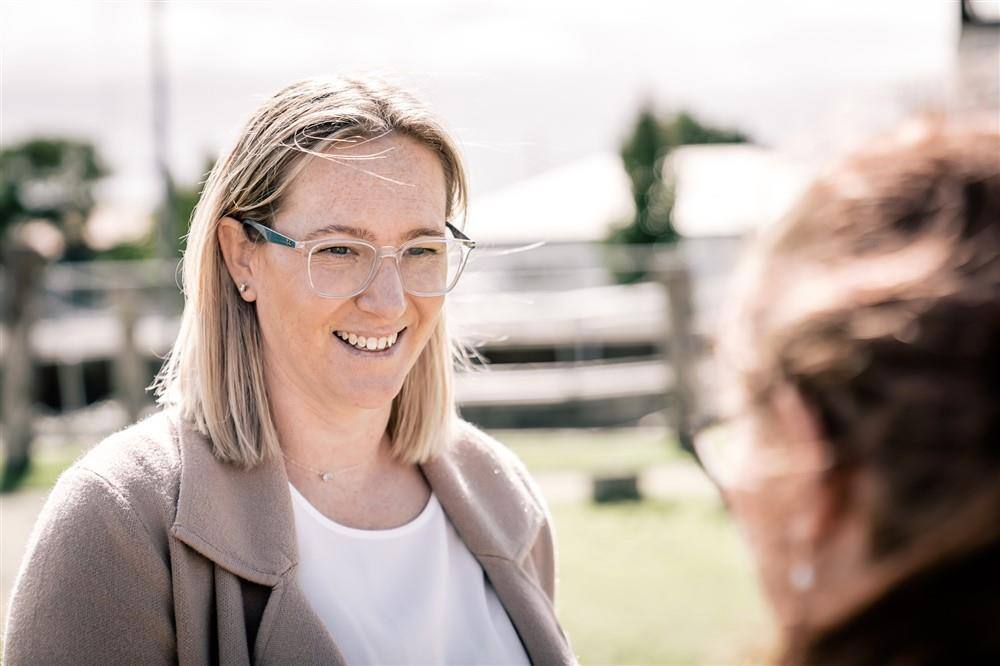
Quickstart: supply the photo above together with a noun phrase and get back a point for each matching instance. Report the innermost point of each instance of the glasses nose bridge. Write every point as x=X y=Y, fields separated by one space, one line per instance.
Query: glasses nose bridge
x=384 y=252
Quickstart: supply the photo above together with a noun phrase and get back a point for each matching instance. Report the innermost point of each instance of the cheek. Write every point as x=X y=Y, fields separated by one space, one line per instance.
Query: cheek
x=292 y=319
x=278 y=288
x=429 y=311
x=758 y=522
x=763 y=516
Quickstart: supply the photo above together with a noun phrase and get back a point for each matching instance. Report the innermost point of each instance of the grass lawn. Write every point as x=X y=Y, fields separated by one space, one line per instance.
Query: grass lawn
x=653 y=582
x=46 y=467
x=657 y=583
x=591 y=450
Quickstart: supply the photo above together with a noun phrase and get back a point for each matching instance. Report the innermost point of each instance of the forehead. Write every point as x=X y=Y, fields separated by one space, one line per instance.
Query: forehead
x=384 y=188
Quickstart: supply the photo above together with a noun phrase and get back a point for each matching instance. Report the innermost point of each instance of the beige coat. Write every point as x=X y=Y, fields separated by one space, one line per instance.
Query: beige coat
x=149 y=550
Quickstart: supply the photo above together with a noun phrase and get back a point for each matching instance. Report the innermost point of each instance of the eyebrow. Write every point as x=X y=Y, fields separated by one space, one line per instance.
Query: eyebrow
x=367 y=234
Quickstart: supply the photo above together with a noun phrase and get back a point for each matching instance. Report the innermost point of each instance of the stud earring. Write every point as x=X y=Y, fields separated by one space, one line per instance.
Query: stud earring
x=243 y=287
x=802 y=576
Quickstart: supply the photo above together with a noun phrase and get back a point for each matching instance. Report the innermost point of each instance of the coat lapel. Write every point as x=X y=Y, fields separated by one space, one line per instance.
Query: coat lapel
x=499 y=520
x=236 y=517
x=242 y=520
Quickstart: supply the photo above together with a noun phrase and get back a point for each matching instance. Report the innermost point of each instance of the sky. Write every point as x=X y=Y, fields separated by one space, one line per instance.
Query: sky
x=525 y=86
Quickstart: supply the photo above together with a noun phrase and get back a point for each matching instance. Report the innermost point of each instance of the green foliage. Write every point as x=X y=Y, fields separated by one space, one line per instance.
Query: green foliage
x=43 y=470
x=643 y=153
x=143 y=248
x=684 y=129
x=185 y=199
x=50 y=178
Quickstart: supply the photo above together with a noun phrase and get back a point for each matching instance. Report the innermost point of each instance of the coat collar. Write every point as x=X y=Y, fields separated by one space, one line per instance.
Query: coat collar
x=243 y=519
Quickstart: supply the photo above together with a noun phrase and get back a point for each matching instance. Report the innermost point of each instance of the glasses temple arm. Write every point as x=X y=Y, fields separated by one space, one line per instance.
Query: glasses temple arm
x=458 y=232
x=270 y=235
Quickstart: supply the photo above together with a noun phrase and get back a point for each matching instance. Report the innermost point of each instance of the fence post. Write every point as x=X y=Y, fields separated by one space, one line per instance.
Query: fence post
x=25 y=269
x=675 y=276
x=130 y=374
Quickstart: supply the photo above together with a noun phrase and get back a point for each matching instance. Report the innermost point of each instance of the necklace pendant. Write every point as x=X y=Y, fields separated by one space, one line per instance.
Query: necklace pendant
x=326 y=476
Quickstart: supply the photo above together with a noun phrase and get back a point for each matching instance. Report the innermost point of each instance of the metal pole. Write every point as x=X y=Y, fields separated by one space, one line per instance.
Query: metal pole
x=167 y=232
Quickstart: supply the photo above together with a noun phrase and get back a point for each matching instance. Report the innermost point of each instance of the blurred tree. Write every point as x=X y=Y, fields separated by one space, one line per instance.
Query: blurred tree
x=684 y=129
x=643 y=154
x=50 y=179
x=185 y=199
x=46 y=194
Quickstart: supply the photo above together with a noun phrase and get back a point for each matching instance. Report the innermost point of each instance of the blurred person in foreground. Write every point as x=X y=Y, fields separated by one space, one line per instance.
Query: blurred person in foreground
x=862 y=456
x=307 y=494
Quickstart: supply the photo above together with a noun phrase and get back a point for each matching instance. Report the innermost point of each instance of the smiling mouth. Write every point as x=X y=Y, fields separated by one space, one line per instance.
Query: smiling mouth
x=370 y=346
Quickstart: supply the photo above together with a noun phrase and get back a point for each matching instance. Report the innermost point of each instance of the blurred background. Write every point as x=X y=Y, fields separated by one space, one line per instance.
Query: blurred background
x=620 y=155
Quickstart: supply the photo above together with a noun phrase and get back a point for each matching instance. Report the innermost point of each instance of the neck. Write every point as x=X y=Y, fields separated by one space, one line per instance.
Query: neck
x=323 y=435
x=849 y=580
x=934 y=615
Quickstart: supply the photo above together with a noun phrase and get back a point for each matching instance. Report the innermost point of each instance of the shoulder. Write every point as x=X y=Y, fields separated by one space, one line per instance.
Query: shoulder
x=511 y=503
x=95 y=575
x=135 y=471
x=482 y=455
x=142 y=458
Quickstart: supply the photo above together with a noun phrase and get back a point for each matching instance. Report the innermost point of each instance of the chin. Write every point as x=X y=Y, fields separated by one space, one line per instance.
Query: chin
x=370 y=397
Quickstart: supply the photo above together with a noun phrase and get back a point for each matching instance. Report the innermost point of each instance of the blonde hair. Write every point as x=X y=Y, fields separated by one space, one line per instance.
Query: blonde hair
x=215 y=371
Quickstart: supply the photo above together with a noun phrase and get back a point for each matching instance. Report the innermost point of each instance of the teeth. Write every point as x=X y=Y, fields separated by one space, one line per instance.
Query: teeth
x=369 y=344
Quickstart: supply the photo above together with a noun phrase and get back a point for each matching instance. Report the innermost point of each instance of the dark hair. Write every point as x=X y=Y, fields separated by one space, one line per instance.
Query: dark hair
x=899 y=360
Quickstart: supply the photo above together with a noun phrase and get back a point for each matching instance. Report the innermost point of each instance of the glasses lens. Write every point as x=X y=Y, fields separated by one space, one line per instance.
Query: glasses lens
x=722 y=451
x=432 y=266
x=735 y=454
x=340 y=268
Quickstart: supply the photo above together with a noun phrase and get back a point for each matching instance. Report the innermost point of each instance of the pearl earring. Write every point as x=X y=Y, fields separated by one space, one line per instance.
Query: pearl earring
x=802 y=576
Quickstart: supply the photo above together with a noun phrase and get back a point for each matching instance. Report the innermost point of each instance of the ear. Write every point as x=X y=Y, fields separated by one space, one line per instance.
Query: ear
x=238 y=252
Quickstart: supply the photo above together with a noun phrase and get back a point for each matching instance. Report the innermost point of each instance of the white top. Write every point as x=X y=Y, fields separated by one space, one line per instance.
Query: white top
x=412 y=594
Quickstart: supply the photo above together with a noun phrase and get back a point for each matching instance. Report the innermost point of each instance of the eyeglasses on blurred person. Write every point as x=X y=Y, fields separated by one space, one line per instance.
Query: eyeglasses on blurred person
x=860 y=453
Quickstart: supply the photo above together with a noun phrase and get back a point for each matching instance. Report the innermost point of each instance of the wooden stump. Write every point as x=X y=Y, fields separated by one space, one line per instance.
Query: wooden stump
x=615 y=488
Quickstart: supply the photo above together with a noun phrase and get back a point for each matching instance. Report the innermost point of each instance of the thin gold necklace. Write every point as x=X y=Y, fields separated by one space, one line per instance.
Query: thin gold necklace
x=324 y=476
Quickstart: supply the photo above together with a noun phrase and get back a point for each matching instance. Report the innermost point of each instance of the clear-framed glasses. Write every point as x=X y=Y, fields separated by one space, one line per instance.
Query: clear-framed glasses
x=722 y=449
x=342 y=268
x=732 y=455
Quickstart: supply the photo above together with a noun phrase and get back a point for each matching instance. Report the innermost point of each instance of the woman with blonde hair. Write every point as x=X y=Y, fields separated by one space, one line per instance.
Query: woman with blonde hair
x=307 y=493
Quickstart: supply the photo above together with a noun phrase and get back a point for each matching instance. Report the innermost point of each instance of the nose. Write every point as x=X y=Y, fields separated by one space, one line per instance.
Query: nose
x=385 y=296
